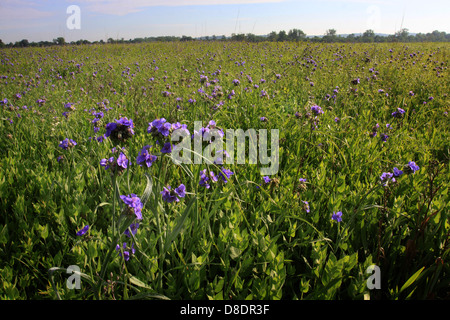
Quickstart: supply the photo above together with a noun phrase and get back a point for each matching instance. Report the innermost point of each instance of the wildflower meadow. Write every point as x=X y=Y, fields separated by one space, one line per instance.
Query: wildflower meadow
x=225 y=171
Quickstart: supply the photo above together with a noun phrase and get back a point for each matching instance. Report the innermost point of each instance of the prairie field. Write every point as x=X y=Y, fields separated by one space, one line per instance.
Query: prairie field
x=355 y=205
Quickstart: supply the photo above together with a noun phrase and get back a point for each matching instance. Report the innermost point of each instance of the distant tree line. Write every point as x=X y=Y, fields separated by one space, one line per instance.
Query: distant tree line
x=330 y=35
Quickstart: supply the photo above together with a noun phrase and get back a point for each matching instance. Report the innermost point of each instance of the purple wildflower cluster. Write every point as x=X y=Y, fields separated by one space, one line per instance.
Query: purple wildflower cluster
x=117 y=166
x=120 y=130
x=398 y=113
x=67 y=144
x=134 y=205
x=127 y=251
x=145 y=157
x=387 y=177
x=170 y=195
x=205 y=176
x=384 y=136
x=161 y=130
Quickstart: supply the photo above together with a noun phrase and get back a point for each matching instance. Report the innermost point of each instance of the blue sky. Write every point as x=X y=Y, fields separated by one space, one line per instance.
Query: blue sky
x=102 y=19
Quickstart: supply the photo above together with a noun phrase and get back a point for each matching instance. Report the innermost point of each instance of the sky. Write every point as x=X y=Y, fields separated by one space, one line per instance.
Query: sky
x=93 y=20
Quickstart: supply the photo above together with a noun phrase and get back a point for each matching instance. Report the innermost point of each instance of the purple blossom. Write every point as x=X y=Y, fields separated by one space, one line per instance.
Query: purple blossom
x=134 y=204
x=306 y=206
x=122 y=161
x=399 y=113
x=386 y=177
x=169 y=195
x=83 y=230
x=167 y=148
x=337 y=216
x=145 y=157
x=67 y=144
x=133 y=228
x=225 y=174
x=397 y=172
x=411 y=167
x=316 y=110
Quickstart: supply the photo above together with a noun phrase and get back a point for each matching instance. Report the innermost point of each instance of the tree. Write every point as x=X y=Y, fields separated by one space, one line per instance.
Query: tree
x=368 y=36
x=282 y=36
x=330 y=35
x=59 y=41
x=272 y=36
x=296 y=35
x=402 y=34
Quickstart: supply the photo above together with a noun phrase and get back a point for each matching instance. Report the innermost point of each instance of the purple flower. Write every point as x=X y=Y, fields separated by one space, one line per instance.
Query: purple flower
x=411 y=167
x=181 y=191
x=266 y=179
x=120 y=130
x=386 y=177
x=167 y=148
x=398 y=113
x=126 y=253
x=384 y=137
x=133 y=228
x=203 y=179
x=169 y=195
x=122 y=161
x=134 y=204
x=316 y=109
x=397 y=172
x=306 y=206
x=67 y=144
x=225 y=174
x=155 y=125
x=165 y=129
x=145 y=157
x=337 y=216
x=83 y=230
x=263 y=119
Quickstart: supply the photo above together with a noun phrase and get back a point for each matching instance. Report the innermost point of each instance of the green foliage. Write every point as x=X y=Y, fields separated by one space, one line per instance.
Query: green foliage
x=244 y=239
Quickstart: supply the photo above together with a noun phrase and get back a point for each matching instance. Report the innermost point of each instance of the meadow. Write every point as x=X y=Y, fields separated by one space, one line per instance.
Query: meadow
x=87 y=180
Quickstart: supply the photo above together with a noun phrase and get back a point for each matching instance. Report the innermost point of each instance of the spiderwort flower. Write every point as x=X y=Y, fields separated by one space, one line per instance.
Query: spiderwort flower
x=316 y=109
x=145 y=157
x=411 y=167
x=134 y=205
x=386 y=177
x=399 y=113
x=306 y=206
x=225 y=174
x=169 y=195
x=133 y=229
x=203 y=179
x=122 y=161
x=167 y=148
x=337 y=216
x=126 y=253
x=121 y=130
x=67 y=144
x=397 y=172
x=83 y=230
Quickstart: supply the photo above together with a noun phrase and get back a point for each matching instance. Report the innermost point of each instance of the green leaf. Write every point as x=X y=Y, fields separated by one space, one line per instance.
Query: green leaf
x=179 y=225
x=411 y=280
x=148 y=190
